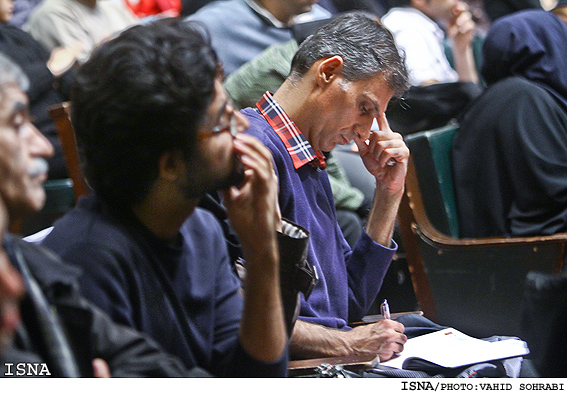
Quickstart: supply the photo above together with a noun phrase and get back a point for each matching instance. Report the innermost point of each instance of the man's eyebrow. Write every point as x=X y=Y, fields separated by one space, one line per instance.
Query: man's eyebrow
x=373 y=102
x=19 y=107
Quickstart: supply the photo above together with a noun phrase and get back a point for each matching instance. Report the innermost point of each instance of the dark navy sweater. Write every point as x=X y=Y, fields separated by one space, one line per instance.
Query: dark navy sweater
x=349 y=280
x=185 y=295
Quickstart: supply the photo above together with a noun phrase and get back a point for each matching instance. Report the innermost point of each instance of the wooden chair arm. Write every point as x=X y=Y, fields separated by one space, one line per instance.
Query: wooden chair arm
x=448 y=271
x=352 y=363
x=435 y=237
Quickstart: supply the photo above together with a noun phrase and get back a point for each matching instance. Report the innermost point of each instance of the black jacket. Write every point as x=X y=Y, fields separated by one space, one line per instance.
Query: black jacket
x=88 y=330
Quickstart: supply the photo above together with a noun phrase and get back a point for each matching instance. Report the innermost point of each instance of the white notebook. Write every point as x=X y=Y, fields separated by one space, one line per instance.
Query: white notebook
x=450 y=348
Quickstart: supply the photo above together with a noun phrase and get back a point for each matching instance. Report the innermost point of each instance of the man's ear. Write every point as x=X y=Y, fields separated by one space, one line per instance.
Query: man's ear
x=329 y=69
x=171 y=166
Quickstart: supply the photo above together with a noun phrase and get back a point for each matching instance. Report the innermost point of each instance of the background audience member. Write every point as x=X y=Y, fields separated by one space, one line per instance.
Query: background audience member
x=510 y=154
x=241 y=29
x=77 y=24
x=44 y=71
x=414 y=24
x=21 y=11
x=157 y=8
x=376 y=7
x=189 y=7
x=58 y=327
x=560 y=10
x=151 y=259
x=337 y=86
x=498 y=8
x=438 y=91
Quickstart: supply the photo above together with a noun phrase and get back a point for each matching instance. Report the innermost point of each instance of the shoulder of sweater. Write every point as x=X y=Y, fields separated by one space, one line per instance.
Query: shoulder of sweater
x=118 y=8
x=259 y=126
x=81 y=227
x=204 y=218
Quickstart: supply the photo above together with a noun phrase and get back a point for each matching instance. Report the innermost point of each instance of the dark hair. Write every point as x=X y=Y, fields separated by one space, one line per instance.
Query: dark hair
x=140 y=95
x=365 y=45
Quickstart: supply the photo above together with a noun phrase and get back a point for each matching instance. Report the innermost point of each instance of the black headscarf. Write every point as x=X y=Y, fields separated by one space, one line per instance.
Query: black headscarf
x=530 y=44
x=510 y=154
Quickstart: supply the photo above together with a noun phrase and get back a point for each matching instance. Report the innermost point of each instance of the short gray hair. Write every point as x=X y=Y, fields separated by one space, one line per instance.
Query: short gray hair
x=365 y=45
x=10 y=72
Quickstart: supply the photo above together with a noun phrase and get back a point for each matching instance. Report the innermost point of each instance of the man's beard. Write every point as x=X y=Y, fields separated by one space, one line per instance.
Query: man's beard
x=200 y=181
x=234 y=178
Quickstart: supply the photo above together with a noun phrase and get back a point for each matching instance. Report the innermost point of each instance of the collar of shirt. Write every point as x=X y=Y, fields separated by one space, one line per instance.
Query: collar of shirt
x=299 y=149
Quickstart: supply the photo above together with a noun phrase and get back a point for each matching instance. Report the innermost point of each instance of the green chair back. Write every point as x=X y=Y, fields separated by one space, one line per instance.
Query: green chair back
x=431 y=152
x=59 y=198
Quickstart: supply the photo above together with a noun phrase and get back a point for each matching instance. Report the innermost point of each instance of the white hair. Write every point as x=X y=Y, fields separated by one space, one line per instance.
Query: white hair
x=10 y=72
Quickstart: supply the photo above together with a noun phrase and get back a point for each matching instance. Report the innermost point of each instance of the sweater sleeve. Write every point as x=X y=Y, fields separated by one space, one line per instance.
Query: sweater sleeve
x=130 y=354
x=367 y=265
x=244 y=365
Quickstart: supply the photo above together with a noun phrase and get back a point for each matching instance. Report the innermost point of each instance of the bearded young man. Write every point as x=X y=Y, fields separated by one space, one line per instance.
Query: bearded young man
x=157 y=131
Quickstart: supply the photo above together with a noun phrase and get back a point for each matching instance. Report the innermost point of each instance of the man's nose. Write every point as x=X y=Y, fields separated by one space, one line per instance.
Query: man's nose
x=39 y=146
x=363 y=129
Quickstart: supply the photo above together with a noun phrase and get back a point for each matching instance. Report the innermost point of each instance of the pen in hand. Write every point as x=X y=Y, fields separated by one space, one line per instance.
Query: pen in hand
x=385 y=309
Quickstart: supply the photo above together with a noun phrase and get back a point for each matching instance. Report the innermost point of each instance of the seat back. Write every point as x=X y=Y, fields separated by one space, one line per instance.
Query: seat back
x=473 y=285
x=431 y=154
x=61 y=115
x=59 y=198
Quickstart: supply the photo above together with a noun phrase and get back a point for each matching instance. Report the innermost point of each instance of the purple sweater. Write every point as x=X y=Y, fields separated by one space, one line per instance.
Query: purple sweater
x=349 y=280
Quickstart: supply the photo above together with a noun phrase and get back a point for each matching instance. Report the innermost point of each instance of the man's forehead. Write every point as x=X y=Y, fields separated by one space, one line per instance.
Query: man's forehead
x=12 y=100
x=374 y=89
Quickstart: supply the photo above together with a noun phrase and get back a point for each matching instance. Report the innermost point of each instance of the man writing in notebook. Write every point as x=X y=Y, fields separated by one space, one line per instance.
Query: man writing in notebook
x=342 y=78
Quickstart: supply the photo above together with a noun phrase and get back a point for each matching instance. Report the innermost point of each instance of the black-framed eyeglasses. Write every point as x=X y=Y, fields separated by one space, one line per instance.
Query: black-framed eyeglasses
x=231 y=127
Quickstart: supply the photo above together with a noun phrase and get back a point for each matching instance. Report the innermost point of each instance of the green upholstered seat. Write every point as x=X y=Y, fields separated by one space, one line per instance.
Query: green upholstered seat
x=474 y=285
x=431 y=152
x=59 y=198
